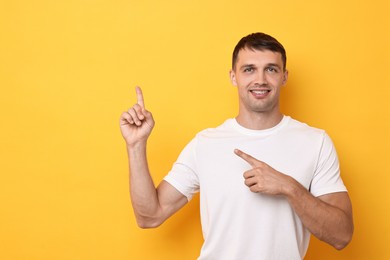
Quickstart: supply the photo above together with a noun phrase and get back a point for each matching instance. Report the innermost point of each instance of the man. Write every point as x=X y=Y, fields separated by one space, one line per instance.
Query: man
x=266 y=181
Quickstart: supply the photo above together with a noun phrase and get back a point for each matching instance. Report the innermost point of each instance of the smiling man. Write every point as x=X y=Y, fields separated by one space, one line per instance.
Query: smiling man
x=266 y=181
x=259 y=76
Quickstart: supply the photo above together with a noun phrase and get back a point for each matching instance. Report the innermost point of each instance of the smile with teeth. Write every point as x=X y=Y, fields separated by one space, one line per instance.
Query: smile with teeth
x=260 y=91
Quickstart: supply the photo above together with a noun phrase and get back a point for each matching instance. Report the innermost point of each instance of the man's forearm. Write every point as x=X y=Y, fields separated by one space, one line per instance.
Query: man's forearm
x=142 y=189
x=328 y=223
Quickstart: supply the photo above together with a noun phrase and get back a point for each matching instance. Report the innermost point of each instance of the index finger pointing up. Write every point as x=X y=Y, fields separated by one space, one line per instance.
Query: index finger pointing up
x=140 y=97
x=248 y=158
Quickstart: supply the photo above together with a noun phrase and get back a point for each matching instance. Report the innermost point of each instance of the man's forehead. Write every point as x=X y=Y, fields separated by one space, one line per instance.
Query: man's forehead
x=254 y=57
x=247 y=53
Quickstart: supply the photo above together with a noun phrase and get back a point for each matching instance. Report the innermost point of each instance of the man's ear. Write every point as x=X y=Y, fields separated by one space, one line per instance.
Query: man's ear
x=233 y=77
x=285 y=77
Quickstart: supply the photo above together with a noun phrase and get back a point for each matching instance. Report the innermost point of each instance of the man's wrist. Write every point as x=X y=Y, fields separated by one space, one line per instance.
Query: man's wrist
x=136 y=145
x=293 y=188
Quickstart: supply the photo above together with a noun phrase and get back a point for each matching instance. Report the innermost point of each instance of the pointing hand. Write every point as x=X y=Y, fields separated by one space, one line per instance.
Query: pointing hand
x=137 y=123
x=263 y=178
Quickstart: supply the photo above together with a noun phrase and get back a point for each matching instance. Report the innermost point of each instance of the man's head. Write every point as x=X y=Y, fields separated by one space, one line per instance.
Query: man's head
x=259 y=41
x=259 y=72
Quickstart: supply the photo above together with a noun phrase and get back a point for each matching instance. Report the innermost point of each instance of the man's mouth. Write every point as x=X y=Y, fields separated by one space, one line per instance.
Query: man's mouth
x=260 y=91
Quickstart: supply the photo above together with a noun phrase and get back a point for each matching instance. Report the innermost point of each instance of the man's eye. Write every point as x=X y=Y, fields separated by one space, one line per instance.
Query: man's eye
x=248 y=69
x=271 y=69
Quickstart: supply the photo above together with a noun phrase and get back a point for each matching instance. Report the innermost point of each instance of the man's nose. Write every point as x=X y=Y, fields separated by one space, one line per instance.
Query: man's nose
x=261 y=78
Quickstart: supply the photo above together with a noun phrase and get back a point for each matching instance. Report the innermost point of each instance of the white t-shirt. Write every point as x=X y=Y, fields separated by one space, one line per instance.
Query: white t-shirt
x=238 y=224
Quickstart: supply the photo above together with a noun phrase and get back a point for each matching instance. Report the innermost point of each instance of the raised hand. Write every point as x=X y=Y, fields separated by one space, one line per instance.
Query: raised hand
x=137 y=123
x=263 y=178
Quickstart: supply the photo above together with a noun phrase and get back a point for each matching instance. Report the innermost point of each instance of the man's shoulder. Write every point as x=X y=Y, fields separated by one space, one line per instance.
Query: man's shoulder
x=222 y=129
x=299 y=125
x=303 y=130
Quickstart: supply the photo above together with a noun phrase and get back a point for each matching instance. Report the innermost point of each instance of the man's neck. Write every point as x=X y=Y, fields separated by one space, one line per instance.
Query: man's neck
x=259 y=121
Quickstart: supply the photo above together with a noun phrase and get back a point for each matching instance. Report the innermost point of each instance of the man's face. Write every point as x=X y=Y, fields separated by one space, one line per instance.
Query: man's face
x=258 y=76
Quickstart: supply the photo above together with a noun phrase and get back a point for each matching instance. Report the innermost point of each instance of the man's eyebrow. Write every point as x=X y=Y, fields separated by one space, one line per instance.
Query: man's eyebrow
x=273 y=65
x=267 y=65
x=247 y=66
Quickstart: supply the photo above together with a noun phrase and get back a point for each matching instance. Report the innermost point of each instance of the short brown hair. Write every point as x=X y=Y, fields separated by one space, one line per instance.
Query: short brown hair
x=259 y=41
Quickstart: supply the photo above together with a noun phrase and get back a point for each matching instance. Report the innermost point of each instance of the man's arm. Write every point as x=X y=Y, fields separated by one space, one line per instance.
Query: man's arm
x=328 y=217
x=151 y=206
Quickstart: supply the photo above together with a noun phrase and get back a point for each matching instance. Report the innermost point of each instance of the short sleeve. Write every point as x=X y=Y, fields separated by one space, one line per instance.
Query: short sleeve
x=327 y=177
x=183 y=175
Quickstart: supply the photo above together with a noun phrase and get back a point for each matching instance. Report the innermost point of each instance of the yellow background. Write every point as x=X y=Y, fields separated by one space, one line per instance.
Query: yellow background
x=68 y=69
